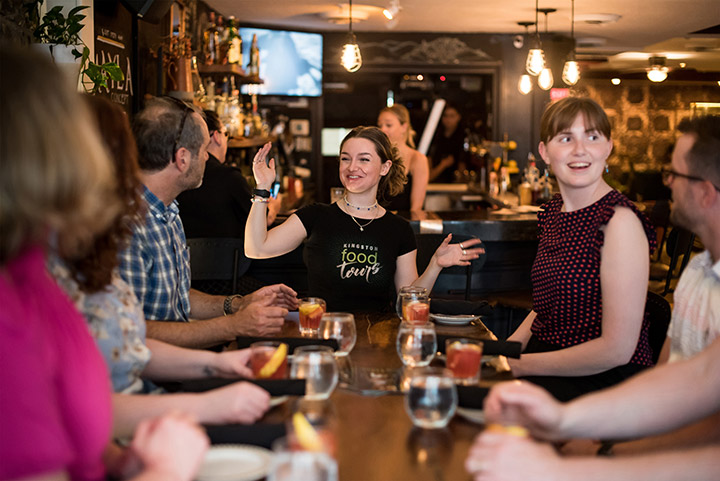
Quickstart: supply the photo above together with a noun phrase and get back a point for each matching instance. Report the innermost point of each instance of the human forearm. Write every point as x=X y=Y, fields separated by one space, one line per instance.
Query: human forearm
x=704 y=432
x=130 y=409
x=256 y=229
x=194 y=334
x=169 y=362
x=522 y=333
x=665 y=398
x=205 y=306
x=429 y=276
x=583 y=359
x=696 y=464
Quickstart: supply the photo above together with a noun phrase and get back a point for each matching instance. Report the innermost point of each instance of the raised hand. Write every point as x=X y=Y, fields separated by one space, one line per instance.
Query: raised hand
x=458 y=254
x=263 y=171
x=284 y=296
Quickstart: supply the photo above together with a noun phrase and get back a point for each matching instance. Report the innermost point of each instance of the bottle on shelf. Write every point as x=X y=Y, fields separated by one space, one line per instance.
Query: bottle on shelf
x=254 y=63
x=234 y=43
x=220 y=45
x=211 y=39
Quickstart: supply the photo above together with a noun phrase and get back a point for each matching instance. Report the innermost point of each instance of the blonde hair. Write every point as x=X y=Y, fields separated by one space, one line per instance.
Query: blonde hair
x=56 y=177
x=403 y=116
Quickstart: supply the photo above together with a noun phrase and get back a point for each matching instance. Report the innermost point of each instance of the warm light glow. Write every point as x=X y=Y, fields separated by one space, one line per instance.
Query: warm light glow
x=571 y=72
x=351 y=58
x=420 y=77
x=535 y=62
x=615 y=81
x=388 y=14
x=525 y=85
x=657 y=74
x=682 y=64
x=545 y=79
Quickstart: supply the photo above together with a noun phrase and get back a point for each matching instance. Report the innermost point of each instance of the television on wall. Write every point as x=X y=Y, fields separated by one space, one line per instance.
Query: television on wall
x=290 y=62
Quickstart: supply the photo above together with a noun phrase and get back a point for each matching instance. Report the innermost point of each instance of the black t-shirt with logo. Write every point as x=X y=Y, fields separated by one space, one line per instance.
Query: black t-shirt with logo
x=353 y=269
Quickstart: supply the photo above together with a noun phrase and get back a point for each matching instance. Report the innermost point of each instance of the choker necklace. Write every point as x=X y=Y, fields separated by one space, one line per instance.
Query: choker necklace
x=356 y=207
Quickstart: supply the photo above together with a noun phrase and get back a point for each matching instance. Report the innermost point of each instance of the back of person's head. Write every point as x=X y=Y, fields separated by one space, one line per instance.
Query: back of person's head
x=56 y=176
x=212 y=120
x=704 y=156
x=403 y=116
x=93 y=269
x=162 y=128
x=394 y=181
x=560 y=115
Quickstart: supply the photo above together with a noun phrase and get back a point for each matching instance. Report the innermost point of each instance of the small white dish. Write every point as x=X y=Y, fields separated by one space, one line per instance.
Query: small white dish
x=235 y=462
x=454 y=320
x=473 y=415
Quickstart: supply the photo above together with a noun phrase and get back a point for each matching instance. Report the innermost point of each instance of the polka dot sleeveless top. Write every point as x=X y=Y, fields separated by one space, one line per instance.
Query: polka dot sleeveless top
x=566 y=274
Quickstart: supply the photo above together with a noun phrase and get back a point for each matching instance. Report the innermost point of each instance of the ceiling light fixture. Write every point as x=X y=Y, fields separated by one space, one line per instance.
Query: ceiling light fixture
x=545 y=78
x=615 y=81
x=536 y=57
x=351 y=59
x=525 y=85
x=657 y=72
x=571 y=69
x=393 y=9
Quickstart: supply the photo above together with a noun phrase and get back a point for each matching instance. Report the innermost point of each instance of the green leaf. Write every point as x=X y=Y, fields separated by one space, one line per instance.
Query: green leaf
x=114 y=71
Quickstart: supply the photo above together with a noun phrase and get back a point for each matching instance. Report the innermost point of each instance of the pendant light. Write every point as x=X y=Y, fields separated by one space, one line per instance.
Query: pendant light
x=545 y=77
x=351 y=58
x=536 y=57
x=571 y=69
x=525 y=85
x=657 y=72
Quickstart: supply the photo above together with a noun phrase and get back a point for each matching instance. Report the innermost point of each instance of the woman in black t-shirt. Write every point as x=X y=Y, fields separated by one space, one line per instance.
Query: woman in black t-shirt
x=357 y=253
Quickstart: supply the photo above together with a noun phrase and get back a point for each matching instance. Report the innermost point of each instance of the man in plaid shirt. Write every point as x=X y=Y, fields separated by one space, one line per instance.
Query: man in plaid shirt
x=172 y=140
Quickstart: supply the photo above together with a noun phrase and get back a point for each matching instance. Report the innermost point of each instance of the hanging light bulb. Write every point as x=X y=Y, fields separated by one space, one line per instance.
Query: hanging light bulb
x=525 y=85
x=536 y=57
x=351 y=58
x=545 y=79
x=392 y=10
x=571 y=69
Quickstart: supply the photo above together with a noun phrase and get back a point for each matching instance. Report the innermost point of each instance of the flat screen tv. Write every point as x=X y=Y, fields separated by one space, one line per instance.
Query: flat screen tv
x=290 y=62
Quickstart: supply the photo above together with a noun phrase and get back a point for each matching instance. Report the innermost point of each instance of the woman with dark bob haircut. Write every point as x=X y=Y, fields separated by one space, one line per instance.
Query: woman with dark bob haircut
x=587 y=329
x=357 y=253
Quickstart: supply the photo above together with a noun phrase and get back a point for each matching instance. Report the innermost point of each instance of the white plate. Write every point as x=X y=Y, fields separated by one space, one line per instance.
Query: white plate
x=472 y=415
x=235 y=462
x=456 y=320
x=277 y=400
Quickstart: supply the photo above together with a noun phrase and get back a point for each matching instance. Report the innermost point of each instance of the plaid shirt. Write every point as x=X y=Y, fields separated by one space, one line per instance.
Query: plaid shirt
x=156 y=264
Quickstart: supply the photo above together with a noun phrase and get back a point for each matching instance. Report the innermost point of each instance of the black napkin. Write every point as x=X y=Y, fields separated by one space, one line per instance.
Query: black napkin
x=471 y=396
x=292 y=342
x=276 y=387
x=459 y=307
x=490 y=348
x=255 y=434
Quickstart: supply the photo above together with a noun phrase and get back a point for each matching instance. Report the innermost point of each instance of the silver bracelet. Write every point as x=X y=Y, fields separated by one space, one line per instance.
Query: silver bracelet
x=227 y=304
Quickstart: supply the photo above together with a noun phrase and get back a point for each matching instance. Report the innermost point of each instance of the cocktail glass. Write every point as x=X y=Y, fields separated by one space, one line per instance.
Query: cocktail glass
x=463 y=359
x=416 y=344
x=432 y=397
x=289 y=463
x=268 y=359
x=310 y=310
x=339 y=326
x=407 y=291
x=315 y=364
x=415 y=307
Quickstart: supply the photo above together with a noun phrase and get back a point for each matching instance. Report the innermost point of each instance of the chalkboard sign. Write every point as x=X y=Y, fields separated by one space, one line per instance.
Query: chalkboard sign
x=113 y=43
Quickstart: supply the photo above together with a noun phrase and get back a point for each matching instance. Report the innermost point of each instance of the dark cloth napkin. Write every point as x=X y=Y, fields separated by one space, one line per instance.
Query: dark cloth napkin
x=490 y=348
x=256 y=434
x=471 y=396
x=276 y=387
x=292 y=342
x=459 y=307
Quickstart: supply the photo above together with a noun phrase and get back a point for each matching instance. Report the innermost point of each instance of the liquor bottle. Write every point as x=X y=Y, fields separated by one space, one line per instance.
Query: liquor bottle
x=234 y=43
x=211 y=40
x=221 y=45
x=254 y=64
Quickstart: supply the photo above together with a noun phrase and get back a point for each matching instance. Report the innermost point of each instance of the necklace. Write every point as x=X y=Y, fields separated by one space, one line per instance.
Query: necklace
x=356 y=207
x=362 y=226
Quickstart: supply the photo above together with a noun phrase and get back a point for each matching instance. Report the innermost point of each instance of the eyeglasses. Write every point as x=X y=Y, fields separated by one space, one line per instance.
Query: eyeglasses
x=186 y=111
x=669 y=174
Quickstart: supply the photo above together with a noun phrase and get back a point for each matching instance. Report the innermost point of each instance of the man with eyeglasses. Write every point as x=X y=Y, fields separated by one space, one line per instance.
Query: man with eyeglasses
x=173 y=141
x=680 y=398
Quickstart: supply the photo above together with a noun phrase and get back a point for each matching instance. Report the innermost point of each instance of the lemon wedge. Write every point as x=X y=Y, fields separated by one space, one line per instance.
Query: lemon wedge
x=309 y=309
x=308 y=438
x=274 y=362
x=513 y=430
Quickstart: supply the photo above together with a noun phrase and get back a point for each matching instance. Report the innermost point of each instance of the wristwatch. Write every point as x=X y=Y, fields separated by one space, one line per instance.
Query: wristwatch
x=227 y=304
x=265 y=194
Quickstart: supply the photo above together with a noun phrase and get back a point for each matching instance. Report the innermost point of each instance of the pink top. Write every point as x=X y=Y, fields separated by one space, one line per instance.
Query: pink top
x=55 y=406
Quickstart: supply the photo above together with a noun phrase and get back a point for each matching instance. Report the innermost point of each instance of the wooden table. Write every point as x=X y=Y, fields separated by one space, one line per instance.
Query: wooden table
x=375 y=436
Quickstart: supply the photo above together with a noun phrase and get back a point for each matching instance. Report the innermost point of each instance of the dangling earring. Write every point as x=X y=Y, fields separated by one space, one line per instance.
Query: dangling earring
x=607 y=169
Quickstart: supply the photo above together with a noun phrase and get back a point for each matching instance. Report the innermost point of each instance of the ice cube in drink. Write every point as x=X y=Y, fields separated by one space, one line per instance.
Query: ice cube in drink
x=416 y=312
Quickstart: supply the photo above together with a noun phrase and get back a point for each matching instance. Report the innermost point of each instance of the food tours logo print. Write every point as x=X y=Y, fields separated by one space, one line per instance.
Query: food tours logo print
x=358 y=260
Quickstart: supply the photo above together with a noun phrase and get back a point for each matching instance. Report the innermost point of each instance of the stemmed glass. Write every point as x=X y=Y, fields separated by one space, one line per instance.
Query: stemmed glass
x=339 y=326
x=416 y=344
x=315 y=364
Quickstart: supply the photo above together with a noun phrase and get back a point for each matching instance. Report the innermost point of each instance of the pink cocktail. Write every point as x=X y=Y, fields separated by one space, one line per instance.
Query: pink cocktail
x=463 y=359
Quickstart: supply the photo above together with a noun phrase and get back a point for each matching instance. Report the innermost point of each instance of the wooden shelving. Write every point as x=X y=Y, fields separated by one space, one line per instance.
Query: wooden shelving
x=229 y=69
